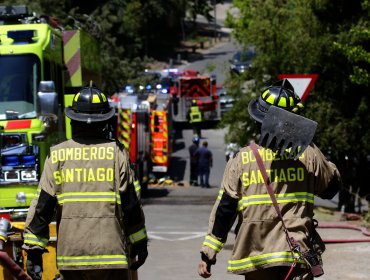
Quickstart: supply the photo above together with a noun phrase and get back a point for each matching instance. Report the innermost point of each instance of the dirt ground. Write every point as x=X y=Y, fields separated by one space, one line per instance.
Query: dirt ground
x=344 y=259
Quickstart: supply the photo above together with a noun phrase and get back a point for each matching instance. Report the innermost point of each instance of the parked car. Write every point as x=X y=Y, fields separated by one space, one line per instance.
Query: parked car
x=226 y=101
x=242 y=60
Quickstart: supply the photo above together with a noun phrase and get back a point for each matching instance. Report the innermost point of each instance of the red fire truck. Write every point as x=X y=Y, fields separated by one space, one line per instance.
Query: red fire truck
x=161 y=133
x=190 y=85
x=144 y=127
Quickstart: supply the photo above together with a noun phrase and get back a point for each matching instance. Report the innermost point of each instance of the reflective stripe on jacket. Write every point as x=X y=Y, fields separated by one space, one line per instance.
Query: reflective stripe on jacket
x=195 y=114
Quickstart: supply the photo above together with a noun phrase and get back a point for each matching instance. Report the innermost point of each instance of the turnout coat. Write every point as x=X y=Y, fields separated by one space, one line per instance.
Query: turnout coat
x=87 y=186
x=260 y=239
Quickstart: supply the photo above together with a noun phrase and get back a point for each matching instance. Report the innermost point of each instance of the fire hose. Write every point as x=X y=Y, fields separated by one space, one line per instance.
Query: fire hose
x=363 y=230
x=15 y=269
x=5 y=260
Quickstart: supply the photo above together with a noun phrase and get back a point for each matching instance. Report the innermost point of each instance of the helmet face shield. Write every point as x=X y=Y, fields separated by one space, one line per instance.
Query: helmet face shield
x=281 y=94
x=90 y=105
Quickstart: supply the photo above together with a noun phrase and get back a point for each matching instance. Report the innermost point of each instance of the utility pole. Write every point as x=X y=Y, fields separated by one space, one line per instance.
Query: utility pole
x=215 y=19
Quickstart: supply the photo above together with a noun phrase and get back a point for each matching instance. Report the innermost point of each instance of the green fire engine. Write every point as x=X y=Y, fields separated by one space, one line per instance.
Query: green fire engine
x=42 y=65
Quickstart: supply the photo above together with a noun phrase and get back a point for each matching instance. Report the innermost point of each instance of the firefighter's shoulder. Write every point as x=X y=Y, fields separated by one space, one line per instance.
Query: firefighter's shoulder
x=120 y=146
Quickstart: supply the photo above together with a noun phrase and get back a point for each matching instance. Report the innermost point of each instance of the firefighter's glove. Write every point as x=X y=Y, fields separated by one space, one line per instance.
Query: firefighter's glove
x=207 y=260
x=141 y=251
x=204 y=266
x=34 y=264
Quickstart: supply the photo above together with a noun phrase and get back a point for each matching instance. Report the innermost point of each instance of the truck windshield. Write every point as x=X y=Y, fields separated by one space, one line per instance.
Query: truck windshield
x=19 y=78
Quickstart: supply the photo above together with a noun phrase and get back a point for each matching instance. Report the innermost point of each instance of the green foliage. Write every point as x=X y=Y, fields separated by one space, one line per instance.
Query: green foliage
x=329 y=38
x=282 y=33
x=129 y=31
x=312 y=37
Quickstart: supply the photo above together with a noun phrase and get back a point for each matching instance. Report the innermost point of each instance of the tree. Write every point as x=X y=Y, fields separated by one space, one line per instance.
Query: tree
x=279 y=31
x=330 y=38
x=130 y=32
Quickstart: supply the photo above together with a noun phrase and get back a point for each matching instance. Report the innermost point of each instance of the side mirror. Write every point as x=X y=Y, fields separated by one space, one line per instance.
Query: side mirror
x=47 y=98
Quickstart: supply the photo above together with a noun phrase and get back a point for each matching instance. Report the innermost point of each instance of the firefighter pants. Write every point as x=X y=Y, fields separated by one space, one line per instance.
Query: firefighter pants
x=203 y=173
x=194 y=173
x=279 y=273
x=197 y=128
x=95 y=274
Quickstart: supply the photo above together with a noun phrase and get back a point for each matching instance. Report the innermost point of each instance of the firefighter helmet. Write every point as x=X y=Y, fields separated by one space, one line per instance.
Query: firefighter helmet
x=194 y=102
x=90 y=105
x=196 y=139
x=280 y=94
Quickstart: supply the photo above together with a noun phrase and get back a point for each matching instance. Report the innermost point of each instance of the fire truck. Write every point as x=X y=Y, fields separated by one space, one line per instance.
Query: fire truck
x=190 y=85
x=133 y=131
x=161 y=133
x=144 y=127
x=41 y=68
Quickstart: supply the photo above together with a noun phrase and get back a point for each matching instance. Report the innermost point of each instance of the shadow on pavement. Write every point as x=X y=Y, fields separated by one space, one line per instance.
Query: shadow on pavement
x=153 y=193
x=177 y=146
x=177 y=168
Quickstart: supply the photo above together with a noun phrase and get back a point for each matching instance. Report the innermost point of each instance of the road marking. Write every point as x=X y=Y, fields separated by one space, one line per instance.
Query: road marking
x=175 y=235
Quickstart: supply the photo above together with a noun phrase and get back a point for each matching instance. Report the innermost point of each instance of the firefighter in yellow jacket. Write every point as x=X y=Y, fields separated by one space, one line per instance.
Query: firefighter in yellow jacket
x=261 y=250
x=88 y=186
x=195 y=118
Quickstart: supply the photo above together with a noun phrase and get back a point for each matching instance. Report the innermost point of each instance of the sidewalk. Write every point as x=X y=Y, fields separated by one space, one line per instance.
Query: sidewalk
x=180 y=195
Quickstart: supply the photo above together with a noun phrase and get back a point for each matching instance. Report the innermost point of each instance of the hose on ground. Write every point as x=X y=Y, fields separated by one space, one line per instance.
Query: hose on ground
x=363 y=230
x=14 y=269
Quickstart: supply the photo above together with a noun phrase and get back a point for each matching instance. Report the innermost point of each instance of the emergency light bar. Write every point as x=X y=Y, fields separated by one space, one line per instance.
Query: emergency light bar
x=15 y=160
x=16 y=10
x=28 y=160
x=10 y=161
x=13 y=14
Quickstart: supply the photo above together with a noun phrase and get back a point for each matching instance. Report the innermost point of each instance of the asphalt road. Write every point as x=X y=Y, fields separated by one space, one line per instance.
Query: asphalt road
x=177 y=217
x=176 y=232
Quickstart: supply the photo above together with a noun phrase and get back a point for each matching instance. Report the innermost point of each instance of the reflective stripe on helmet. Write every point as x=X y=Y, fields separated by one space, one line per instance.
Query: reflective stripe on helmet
x=299 y=106
x=76 y=97
x=270 y=99
x=96 y=98
x=282 y=102
x=265 y=93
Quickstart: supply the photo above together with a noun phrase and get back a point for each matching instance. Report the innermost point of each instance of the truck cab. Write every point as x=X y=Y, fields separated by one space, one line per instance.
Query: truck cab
x=41 y=68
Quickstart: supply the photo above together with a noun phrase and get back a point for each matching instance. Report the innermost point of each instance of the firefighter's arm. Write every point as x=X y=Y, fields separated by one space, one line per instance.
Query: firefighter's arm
x=223 y=214
x=327 y=176
x=40 y=215
x=333 y=185
x=133 y=214
x=41 y=212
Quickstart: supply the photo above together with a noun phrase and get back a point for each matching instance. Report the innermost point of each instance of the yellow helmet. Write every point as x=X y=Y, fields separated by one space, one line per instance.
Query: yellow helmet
x=90 y=105
x=280 y=94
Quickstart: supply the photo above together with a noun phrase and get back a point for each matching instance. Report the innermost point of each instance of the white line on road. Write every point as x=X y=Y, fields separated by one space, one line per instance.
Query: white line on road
x=175 y=235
